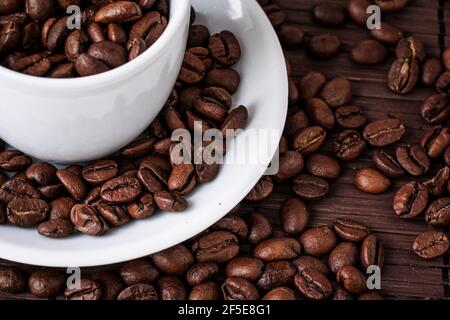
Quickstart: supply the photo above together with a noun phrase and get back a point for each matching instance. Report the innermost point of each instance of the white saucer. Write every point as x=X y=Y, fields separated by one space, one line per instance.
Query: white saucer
x=263 y=90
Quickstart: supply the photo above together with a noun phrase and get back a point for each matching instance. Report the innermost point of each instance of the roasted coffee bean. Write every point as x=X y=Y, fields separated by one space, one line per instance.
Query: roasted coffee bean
x=291 y=36
x=10 y=36
x=277 y=249
x=261 y=190
x=340 y=294
x=204 y=54
x=349 y=145
x=26 y=212
x=116 y=33
x=135 y=46
x=350 y=230
x=372 y=252
x=438 y=213
x=17 y=189
x=65 y=70
x=311 y=85
x=56 y=228
x=410 y=48
x=245 y=267
x=76 y=44
x=119 y=11
x=351 y=279
x=337 y=92
x=371 y=181
x=381 y=133
x=72 y=183
x=225 y=78
x=95 y=32
x=308 y=140
x=138 y=271
x=198 y=36
x=413 y=159
x=114 y=216
x=175 y=260
x=391 y=5
x=42 y=173
x=121 y=190
x=431 y=244
x=368 y=52
x=86 y=219
x=313 y=285
x=110 y=53
x=171 y=288
x=435 y=109
x=143 y=207
x=294 y=216
x=323 y=46
x=275 y=14
x=86 y=65
x=432 y=69
x=329 y=14
x=276 y=274
x=410 y=200
x=295 y=122
x=205 y=291
x=403 y=75
x=350 y=117
x=100 y=171
x=139 y=291
x=435 y=141
x=438 y=184
x=290 y=164
x=235 y=288
x=259 y=228
x=192 y=70
x=323 y=166
x=234 y=224
x=11 y=280
x=60 y=208
x=217 y=246
x=86 y=289
x=443 y=82
x=110 y=284
x=46 y=283
x=53 y=191
x=154 y=173
x=182 y=179
x=11 y=160
x=319 y=113
x=387 y=164
x=202 y=272
x=387 y=33
x=309 y=187
x=308 y=262
x=236 y=119
x=344 y=254
x=280 y=293
x=225 y=48
x=318 y=241
x=170 y=202
x=357 y=9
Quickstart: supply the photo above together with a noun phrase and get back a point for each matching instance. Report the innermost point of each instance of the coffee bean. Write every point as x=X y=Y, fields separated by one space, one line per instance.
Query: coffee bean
x=17 y=189
x=295 y=122
x=116 y=33
x=349 y=145
x=294 y=216
x=438 y=213
x=100 y=171
x=175 y=260
x=236 y=119
x=114 y=216
x=323 y=46
x=170 y=202
x=42 y=173
x=371 y=181
x=432 y=69
x=10 y=35
x=198 y=36
x=350 y=230
x=443 y=82
x=234 y=224
x=46 y=283
x=245 y=267
x=235 y=288
x=313 y=285
x=76 y=44
x=431 y=244
x=277 y=249
x=340 y=294
x=53 y=191
x=290 y=164
x=309 y=187
x=121 y=190
x=438 y=184
x=311 y=85
x=217 y=246
x=435 y=141
x=368 y=52
x=350 y=117
x=381 y=133
x=413 y=159
x=403 y=75
x=337 y=92
x=225 y=78
x=87 y=220
x=435 y=109
x=280 y=293
x=202 y=272
x=357 y=9
x=60 y=208
x=171 y=288
x=319 y=113
x=351 y=279
x=11 y=160
x=260 y=191
x=121 y=11
x=86 y=289
x=307 y=262
x=259 y=228
x=329 y=14
x=11 y=280
x=72 y=183
x=192 y=70
x=139 y=291
x=110 y=284
x=291 y=35
x=205 y=291
x=56 y=228
x=276 y=274
x=372 y=251
x=225 y=48
x=323 y=166
x=308 y=140
x=138 y=271
x=318 y=241
x=182 y=179
x=410 y=48
x=387 y=164
x=26 y=212
x=410 y=200
x=110 y=53
x=86 y=65
x=344 y=254
x=387 y=33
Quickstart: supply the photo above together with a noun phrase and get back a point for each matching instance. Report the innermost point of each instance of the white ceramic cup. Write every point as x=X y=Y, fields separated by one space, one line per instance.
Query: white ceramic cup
x=80 y=119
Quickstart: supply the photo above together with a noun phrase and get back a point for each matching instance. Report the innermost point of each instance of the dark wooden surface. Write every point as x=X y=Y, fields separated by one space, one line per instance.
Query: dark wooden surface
x=404 y=276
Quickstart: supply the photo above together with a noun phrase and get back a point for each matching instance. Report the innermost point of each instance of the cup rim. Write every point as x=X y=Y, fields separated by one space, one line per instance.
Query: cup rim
x=177 y=14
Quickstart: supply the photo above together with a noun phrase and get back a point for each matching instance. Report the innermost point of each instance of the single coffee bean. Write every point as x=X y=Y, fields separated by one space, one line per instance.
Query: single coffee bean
x=319 y=113
x=371 y=181
x=372 y=251
x=139 y=291
x=202 y=272
x=340 y=294
x=351 y=279
x=291 y=36
x=234 y=224
x=443 y=82
x=368 y=52
x=198 y=36
x=138 y=271
x=381 y=133
x=349 y=145
x=86 y=65
x=53 y=191
x=386 y=33
x=323 y=46
x=350 y=117
x=344 y=254
x=308 y=140
x=193 y=69
x=119 y=11
x=217 y=246
x=112 y=54
x=431 y=244
x=308 y=262
x=11 y=160
x=313 y=285
x=432 y=69
x=110 y=284
x=311 y=85
x=357 y=9
x=350 y=230
x=100 y=171
x=182 y=179
x=175 y=260
x=438 y=184
x=225 y=78
x=276 y=274
x=245 y=267
x=116 y=33
x=309 y=187
x=391 y=5
x=413 y=159
x=170 y=202
x=26 y=212
x=435 y=141
x=171 y=288
x=435 y=109
x=239 y=289
x=46 y=283
x=295 y=122
x=403 y=75
x=87 y=289
x=280 y=293
x=337 y=92
x=87 y=220
x=294 y=216
x=76 y=44
x=290 y=164
x=277 y=249
x=72 y=183
x=60 y=208
x=56 y=228
x=10 y=36
x=318 y=241
x=225 y=48
x=114 y=216
x=11 y=280
x=410 y=200
x=387 y=164
x=410 y=48
x=329 y=14
x=236 y=119
x=259 y=228
x=17 y=189
x=323 y=166
x=205 y=291
x=261 y=190
x=42 y=173
x=121 y=190
x=438 y=213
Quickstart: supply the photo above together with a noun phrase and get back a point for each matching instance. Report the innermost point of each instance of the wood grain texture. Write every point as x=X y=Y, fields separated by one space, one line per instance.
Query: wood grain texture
x=405 y=276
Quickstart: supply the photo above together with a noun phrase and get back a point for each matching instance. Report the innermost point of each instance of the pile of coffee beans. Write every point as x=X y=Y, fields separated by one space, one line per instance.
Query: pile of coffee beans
x=144 y=175
x=325 y=262
x=37 y=37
